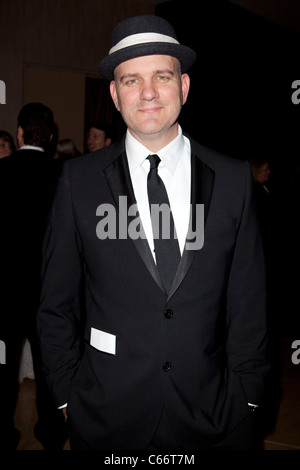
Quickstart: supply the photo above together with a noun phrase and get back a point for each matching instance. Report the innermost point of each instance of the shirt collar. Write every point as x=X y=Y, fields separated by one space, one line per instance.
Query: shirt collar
x=31 y=147
x=169 y=155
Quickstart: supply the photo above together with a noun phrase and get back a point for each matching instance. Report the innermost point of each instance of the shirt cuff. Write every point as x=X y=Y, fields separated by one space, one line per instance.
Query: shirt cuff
x=62 y=406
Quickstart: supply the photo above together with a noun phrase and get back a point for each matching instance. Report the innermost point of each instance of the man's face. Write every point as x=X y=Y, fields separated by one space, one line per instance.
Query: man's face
x=96 y=139
x=262 y=176
x=5 y=148
x=149 y=92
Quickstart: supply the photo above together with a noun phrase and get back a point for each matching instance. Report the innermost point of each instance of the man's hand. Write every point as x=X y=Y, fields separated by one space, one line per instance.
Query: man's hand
x=64 y=410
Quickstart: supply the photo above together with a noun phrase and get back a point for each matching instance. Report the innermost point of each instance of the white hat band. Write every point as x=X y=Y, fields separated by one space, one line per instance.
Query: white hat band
x=142 y=38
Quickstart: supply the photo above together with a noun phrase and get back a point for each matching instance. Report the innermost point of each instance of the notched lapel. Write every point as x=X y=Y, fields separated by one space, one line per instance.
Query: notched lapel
x=118 y=179
x=202 y=183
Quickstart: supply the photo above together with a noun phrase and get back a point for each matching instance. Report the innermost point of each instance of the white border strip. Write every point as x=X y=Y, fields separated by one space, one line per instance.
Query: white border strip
x=142 y=38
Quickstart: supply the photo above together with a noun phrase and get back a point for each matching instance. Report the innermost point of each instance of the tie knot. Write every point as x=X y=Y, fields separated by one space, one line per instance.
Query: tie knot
x=154 y=161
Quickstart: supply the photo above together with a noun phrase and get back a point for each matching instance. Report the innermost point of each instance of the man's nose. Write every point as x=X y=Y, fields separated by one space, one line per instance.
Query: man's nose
x=148 y=91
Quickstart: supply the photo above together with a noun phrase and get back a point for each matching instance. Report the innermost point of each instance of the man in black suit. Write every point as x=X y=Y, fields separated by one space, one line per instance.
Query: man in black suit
x=27 y=188
x=162 y=359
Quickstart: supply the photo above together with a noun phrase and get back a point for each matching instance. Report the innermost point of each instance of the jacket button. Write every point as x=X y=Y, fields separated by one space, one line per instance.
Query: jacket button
x=168 y=313
x=167 y=366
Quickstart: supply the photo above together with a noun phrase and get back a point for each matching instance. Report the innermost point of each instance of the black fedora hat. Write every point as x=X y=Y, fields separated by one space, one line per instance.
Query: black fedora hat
x=144 y=35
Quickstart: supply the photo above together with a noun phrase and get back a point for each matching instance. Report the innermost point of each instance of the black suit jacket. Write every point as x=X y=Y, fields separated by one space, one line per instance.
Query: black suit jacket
x=26 y=188
x=213 y=344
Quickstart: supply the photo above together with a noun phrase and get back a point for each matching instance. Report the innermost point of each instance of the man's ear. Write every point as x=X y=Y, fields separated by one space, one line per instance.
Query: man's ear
x=20 y=132
x=20 y=135
x=113 y=93
x=185 y=87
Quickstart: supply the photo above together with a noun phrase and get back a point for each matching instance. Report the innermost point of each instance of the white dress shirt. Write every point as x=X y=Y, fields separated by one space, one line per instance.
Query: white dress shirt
x=175 y=171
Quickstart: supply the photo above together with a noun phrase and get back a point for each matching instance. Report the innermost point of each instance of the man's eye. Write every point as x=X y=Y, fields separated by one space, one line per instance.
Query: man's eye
x=162 y=78
x=132 y=82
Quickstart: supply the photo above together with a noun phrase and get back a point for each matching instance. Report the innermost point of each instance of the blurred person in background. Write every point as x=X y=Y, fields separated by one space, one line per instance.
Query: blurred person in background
x=66 y=148
x=26 y=190
x=7 y=145
x=99 y=135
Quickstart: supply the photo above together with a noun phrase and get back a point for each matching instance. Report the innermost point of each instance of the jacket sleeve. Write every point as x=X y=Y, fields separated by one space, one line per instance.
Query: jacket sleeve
x=59 y=312
x=246 y=301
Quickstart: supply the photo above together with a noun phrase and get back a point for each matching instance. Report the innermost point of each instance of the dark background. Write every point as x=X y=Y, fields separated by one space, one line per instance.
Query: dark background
x=240 y=99
x=240 y=104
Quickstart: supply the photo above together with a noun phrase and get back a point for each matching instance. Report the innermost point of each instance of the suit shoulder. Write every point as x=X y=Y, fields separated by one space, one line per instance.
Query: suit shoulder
x=97 y=160
x=218 y=161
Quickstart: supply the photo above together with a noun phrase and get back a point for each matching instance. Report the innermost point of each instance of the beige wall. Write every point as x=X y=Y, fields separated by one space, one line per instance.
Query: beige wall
x=67 y=35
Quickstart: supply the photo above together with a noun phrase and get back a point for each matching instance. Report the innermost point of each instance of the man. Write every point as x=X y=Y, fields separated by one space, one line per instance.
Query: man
x=26 y=195
x=7 y=145
x=98 y=135
x=66 y=148
x=159 y=361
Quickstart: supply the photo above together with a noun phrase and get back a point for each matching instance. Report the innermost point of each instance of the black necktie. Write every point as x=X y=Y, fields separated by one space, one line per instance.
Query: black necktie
x=166 y=245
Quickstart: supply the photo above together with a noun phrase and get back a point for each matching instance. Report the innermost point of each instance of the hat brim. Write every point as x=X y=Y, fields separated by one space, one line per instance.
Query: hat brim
x=184 y=54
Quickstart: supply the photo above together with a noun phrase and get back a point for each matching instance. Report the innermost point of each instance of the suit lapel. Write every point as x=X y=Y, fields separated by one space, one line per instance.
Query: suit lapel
x=202 y=182
x=119 y=181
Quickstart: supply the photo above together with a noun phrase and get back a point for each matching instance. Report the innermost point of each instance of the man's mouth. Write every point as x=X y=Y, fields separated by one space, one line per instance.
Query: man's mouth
x=152 y=110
